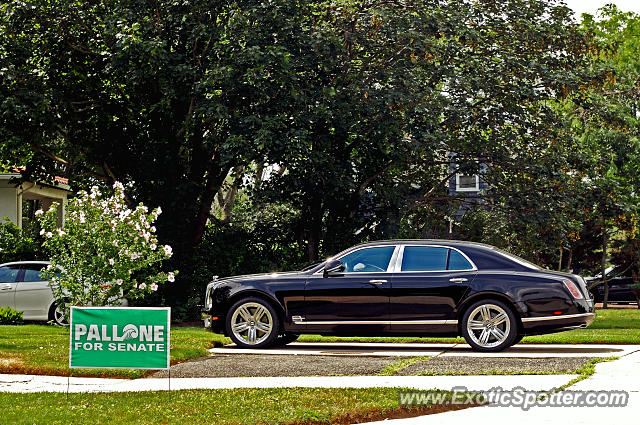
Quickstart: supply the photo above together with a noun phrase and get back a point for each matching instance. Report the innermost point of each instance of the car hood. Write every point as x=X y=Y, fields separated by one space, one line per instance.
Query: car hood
x=256 y=276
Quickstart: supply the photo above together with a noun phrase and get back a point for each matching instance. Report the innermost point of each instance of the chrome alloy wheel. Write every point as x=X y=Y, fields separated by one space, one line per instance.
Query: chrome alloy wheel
x=251 y=323
x=488 y=325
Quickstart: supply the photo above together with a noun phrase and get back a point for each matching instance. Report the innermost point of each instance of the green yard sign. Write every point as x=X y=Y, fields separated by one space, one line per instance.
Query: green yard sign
x=119 y=337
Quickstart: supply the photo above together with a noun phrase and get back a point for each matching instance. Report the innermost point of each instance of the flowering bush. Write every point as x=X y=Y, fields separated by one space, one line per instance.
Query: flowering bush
x=105 y=251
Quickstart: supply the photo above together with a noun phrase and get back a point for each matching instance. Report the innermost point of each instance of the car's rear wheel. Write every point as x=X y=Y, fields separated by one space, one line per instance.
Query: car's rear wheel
x=489 y=325
x=252 y=323
x=56 y=314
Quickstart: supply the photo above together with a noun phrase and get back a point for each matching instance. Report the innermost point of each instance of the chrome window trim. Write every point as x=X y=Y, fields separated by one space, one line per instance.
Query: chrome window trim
x=390 y=265
x=559 y=317
x=378 y=322
x=398 y=265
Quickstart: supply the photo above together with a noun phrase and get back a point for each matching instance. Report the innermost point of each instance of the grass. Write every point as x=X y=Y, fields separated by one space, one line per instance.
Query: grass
x=611 y=326
x=44 y=350
x=395 y=368
x=299 y=406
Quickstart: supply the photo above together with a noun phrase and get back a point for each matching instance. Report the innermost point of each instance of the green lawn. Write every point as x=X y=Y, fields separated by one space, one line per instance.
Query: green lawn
x=44 y=350
x=611 y=326
x=300 y=406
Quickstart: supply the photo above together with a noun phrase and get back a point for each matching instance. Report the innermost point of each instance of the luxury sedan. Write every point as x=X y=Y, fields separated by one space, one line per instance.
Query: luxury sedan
x=402 y=288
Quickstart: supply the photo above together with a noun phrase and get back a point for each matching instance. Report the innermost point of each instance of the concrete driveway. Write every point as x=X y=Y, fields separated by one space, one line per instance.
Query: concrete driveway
x=432 y=350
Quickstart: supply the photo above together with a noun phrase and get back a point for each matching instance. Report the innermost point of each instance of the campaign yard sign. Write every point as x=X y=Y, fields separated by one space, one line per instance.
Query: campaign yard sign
x=119 y=337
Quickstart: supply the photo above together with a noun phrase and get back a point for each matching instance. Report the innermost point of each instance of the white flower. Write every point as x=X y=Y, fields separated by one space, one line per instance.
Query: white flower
x=135 y=256
x=153 y=247
x=111 y=261
x=158 y=211
x=39 y=212
x=168 y=251
x=142 y=286
x=61 y=232
x=41 y=232
x=171 y=277
x=119 y=282
x=48 y=234
x=135 y=286
x=82 y=217
x=153 y=287
x=153 y=229
x=115 y=243
x=118 y=186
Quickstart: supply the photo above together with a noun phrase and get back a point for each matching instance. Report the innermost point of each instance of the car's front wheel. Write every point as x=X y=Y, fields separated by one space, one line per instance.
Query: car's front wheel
x=252 y=323
x=489 y=325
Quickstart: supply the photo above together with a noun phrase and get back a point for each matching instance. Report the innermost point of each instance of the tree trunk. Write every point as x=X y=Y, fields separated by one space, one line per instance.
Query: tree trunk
x=215 y=180
x=603 y=264
x=560 y=260
x=315 y=214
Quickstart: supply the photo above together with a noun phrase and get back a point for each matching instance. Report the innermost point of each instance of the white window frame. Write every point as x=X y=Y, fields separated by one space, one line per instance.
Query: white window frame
x=467 y=189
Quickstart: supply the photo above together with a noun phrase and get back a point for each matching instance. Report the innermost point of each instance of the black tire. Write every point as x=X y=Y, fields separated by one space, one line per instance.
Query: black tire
x=56 y=316
x=246 y=323
x=518 y=338
x=489 y=326
x=285 y=339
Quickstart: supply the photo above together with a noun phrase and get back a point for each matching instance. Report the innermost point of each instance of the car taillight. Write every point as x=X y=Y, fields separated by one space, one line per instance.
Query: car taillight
x=573 y=288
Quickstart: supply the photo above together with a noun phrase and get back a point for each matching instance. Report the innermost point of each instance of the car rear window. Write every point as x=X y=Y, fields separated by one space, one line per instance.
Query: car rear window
x=32 y=273
x=457 y=261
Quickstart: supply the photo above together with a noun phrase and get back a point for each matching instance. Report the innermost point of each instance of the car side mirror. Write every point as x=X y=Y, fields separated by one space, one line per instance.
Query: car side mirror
x=333 y=266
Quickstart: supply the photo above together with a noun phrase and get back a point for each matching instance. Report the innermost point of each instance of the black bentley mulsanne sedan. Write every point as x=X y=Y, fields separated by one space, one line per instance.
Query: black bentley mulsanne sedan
x=402 y=288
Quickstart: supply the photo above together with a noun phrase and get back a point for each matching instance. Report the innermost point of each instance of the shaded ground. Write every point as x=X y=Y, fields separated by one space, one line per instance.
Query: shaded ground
x=288 y=365
x=494 y=365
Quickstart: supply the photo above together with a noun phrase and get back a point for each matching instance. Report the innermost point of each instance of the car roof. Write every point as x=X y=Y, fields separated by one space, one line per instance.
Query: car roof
x=451 y=242
x=18 y=263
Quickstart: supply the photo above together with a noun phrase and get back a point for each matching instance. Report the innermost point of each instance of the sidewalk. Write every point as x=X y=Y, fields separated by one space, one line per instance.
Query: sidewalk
x=35 y=383
x=622 y=374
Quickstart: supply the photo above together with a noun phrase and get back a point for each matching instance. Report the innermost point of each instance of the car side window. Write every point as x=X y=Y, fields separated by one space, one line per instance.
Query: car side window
x=32 y=273
x=457 y=261
x=368 y=260
x=8 y=274
x=424 y=258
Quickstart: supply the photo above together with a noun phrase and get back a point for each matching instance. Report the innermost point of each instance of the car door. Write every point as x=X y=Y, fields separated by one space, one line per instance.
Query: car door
x=33 y=294
x=354 y=301
x=428 y=284
x=8 y=276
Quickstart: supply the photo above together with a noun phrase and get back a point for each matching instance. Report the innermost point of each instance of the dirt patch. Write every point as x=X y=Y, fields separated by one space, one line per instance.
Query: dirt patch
x=235 y=365
x=380 y=415
x=494 y=365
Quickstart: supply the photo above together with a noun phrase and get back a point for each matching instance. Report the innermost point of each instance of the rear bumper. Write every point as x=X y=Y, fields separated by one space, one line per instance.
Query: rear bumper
x=549 y=324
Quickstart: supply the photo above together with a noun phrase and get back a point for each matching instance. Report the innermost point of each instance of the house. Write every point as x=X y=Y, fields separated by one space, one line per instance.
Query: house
x=28 y=196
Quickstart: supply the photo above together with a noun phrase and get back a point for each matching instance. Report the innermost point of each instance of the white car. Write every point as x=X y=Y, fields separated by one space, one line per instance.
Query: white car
x=23 y=288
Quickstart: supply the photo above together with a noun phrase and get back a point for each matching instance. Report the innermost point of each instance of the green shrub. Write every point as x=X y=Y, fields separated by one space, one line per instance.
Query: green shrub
x=9 y=316
x=17 y=244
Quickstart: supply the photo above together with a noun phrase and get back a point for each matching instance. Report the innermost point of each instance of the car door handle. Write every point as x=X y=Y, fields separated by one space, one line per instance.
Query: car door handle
x=5 y=287
x=377 y=281
x=458 y=279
